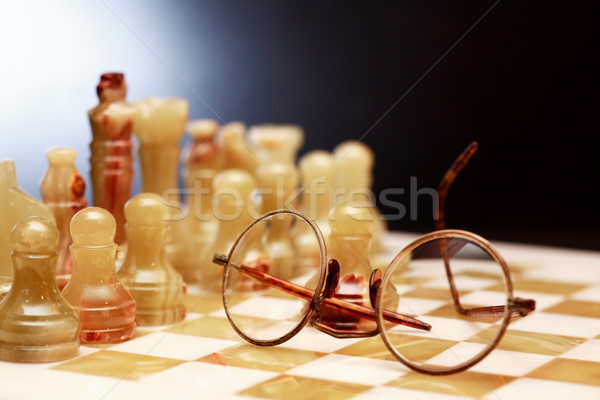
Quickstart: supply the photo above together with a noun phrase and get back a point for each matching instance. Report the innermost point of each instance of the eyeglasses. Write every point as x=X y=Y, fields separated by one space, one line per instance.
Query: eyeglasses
x=440 y=307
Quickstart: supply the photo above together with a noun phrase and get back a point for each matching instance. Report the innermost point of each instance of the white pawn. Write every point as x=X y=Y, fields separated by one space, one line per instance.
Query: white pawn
x=349 y=244
x=318 y=171
x=278 y=182
x=234 y=211
x=354 y=180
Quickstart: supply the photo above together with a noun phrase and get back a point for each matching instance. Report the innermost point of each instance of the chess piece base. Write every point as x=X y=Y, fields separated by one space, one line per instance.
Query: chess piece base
x=38 y=354
x=163 y=317
x=109 y=335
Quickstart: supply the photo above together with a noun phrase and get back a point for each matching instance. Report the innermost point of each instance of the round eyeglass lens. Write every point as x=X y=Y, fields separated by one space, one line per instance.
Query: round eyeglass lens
x=456 y=282
x=274 y=269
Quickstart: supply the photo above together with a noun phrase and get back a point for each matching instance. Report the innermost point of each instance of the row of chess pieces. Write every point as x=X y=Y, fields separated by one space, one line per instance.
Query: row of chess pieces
x=157 y=243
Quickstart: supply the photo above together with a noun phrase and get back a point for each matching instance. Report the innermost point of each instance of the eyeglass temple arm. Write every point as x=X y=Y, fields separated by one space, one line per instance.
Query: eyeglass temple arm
x=444 y=185
x=337 y=304
x=517 y=306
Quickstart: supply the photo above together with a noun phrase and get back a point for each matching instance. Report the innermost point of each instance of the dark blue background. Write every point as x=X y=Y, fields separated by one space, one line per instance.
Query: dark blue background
x=523 y=82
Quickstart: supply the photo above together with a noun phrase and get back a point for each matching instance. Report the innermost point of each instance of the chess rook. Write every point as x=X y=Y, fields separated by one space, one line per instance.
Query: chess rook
x=159 y=127
x=105 y=307
x=36 y=322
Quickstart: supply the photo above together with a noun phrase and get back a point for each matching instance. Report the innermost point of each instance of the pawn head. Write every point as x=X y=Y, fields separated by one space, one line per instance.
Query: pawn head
x=234 y=180
x=93 y=226
x=350 y=220
x=355 y=154
x=279 y=176
x=34 y=235
x=146 y=209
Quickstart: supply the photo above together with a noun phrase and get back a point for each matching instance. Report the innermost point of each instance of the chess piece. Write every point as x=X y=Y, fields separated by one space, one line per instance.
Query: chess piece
x=105 y=308
x=159 y=128
x=277 y=142
x=238 y=152
x=354 y=180
x=202 y=162
x=156 y=286
x=349 y=244
x=111 y=160
x=277 y=183
x=36 y=322
x=62 y=189
x=15 y=205
x=317 y=170
x=233 y=208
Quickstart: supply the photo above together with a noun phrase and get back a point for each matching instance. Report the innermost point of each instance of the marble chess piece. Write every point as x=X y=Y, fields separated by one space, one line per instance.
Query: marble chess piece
x=159 y=126
x=105 y=307
x=15 y=205
x=277 y=183
x=111 y=160
x=156 y=286
x=354 y=181
x=234 y=209
x=63 y=189
x=36 y=323
x=202 y=161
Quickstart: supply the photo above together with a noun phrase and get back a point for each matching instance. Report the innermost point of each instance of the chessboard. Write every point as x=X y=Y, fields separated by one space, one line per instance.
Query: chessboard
x=553 y=353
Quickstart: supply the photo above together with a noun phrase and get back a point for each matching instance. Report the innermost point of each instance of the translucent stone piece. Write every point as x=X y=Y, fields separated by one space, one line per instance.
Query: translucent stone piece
x=238 y=152
x=36 y=323
x=318 y=172
x=277 y=182
x=15 y=205
x=111 y=160
x=160 y=124
x=156 y=286
x=105 y=307
x=354 y=180
x=349 y=245
x=159 y=127
x=233 y=207
x=277 y=142
x=203 y=161
x=62 y=189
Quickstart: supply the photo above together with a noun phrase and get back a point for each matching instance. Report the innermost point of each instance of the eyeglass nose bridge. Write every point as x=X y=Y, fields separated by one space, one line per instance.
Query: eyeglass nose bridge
x=331 y=284
x=332 y=280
